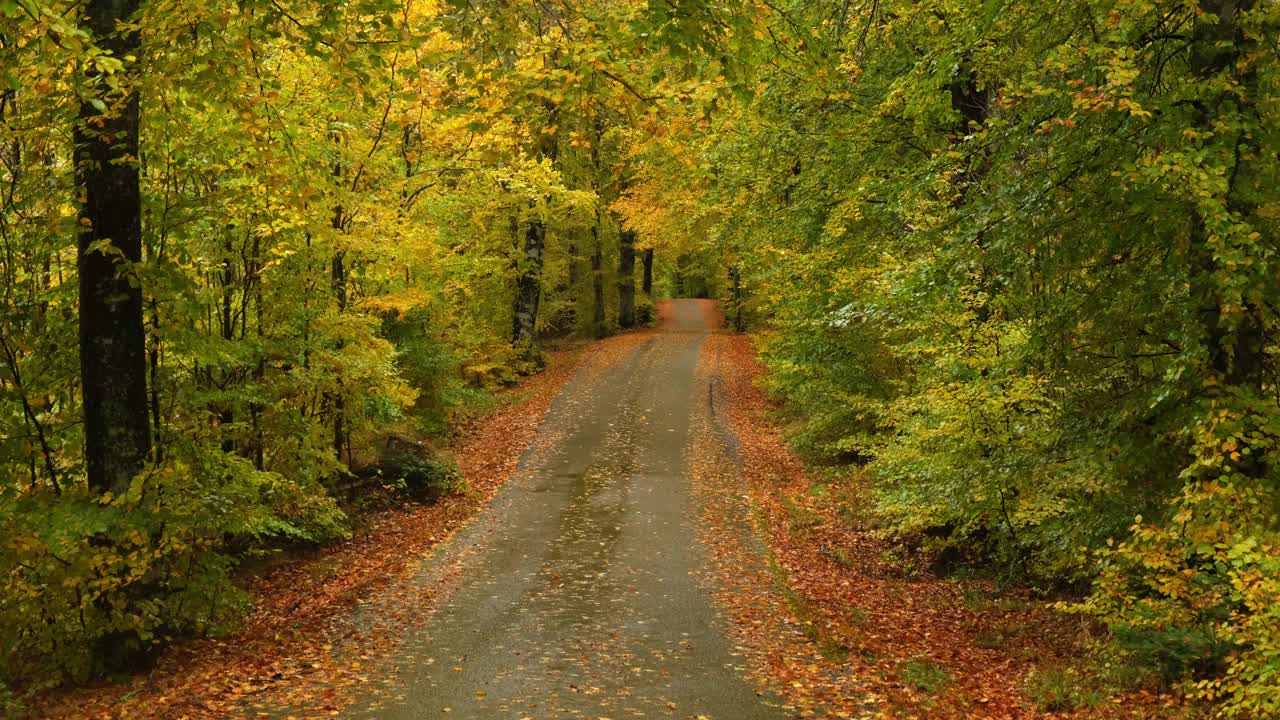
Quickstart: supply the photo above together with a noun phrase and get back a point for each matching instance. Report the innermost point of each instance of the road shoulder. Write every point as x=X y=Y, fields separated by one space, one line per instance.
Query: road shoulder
x=823 y=607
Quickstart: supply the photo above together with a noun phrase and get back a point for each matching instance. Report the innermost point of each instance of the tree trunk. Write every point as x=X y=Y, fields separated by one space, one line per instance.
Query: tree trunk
x=735 y=277
x=627 y=278
x=113 y=361
x=974 y=106
x=529 y=286
x=648 y=272
x=1236 y=340
x=597 y=246
x=338 y=279
x=254 y=281
x=597 y=280
x=226 y=415
x=569 y=288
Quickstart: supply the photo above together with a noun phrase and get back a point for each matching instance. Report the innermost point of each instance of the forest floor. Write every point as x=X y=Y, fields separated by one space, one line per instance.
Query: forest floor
x=636 y=541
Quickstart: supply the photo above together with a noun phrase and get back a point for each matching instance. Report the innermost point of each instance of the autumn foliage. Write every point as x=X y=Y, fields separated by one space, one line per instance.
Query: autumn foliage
x=1012 y=267
x=1017 y=262
x=335 y=201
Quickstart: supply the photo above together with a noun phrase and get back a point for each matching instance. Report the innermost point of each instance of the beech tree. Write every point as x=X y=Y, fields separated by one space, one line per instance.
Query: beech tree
x=113 y=363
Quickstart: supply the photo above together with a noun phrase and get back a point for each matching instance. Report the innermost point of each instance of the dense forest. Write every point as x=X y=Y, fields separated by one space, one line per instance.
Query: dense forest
x=1016 y=262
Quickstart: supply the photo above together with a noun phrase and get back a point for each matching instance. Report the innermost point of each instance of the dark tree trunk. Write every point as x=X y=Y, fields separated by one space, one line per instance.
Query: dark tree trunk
x=226 y=415
x=648 y=272
x=597 y=246
x=1236 y=341
x=524 y=323
x=627 y=278
x=974 y=106
x=338 y=279
x=254 y=282
x=529 y=286
x=597 y=279
x=573 y=266
x=569 y=288
x=735 y=277
x=153 y=370
x=566 y=287
x=113 y=360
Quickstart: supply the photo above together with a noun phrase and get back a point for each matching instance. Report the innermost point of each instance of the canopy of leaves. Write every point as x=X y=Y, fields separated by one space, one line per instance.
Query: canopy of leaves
x=1019 y=259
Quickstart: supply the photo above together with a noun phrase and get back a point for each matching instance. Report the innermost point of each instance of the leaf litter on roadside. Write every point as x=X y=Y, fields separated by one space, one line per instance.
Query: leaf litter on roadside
x=822 y=612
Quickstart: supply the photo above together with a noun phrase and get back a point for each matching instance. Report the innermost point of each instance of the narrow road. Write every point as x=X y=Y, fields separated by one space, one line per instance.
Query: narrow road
x=579 y=594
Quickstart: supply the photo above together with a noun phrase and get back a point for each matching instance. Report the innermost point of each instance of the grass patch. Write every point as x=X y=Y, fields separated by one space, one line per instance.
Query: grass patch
x=1061 y=689
x=901 y=560
x=836 y=555
x=1090 y=683
x=925 y=675
x=832 y=650
x=990 y=639
x=828 y=647
x=799 y=517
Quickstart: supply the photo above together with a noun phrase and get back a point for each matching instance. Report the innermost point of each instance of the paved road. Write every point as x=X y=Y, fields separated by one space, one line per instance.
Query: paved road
x=579 y=596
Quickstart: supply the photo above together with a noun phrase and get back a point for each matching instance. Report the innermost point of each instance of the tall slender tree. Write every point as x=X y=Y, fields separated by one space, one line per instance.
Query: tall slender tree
x=113 y=362
x=529 y=283
x=647 y=285
x=627 y=278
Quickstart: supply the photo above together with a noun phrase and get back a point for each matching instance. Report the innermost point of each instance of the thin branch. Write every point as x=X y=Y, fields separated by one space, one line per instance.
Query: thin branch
x=301 y=26
x=629 y=87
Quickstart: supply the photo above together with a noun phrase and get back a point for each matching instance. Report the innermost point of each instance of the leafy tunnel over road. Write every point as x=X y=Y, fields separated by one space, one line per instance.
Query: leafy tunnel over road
x=580 y=592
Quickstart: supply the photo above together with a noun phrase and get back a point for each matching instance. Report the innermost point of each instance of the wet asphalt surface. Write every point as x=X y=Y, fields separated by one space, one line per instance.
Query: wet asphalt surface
x=579 y=595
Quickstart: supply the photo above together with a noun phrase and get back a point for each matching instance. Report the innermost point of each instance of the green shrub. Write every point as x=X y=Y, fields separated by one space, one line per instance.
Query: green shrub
x=1172 y=653
x=427 y=364
x=646 y=309
x=422 y=479
x=1197 y=597
x=92 y=584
